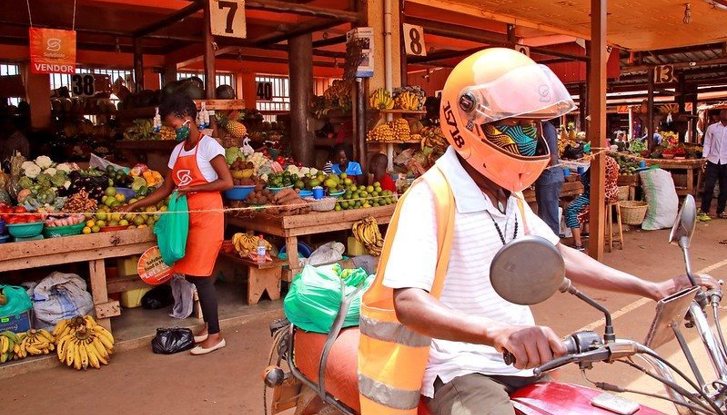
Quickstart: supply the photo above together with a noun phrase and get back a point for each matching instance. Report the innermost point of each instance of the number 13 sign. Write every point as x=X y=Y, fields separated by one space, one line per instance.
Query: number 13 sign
x=227 y=18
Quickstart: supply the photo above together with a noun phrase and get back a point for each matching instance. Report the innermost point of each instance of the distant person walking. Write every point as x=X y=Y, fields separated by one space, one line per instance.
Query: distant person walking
x=550 y=182
x=715 y=151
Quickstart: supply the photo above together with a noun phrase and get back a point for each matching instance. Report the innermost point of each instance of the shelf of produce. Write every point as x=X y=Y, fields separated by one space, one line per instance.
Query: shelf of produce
x=221 y=104
x=403 y=112
x=92 y=248
x=395 y=142
x=291 y=227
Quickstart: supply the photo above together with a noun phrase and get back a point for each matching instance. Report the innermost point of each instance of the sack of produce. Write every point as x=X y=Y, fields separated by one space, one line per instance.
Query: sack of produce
x=14 y=306
x=59 y=296
x=316 y=294
x=172 y=229
x=172 y=340
x=662 y=197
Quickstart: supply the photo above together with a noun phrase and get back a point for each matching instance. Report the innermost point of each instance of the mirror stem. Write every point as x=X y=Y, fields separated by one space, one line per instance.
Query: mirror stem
x=608 y=335
x=701 y=297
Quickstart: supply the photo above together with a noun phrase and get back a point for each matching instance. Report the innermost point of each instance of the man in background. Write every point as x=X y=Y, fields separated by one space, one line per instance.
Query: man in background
x=550 y=182
x=715 y=151
x=12 y=140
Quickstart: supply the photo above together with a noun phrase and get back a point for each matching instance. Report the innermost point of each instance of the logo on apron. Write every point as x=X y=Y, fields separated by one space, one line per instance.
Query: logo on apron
x=184 y=177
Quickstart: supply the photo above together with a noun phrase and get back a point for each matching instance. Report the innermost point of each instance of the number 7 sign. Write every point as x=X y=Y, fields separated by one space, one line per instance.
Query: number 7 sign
x=227 y=18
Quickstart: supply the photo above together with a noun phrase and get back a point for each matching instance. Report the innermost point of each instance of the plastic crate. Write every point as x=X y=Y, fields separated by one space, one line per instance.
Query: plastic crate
x=18 y=323
x=132 y=298
x=127 y=266
x=355 y=248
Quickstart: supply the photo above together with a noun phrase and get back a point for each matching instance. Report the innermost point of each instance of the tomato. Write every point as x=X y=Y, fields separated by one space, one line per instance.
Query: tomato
x=20 y=209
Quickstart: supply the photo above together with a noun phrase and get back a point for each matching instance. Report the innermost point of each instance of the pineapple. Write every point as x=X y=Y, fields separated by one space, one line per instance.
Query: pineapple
x=236 y=129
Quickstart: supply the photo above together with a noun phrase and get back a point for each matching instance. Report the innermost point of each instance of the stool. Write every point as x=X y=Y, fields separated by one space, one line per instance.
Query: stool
x=609 y=223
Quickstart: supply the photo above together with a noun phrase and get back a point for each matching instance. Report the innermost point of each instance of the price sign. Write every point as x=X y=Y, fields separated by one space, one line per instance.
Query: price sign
x=264 y=91
x=83 y=85
x=227 y=18
x=523 y=49
x=414 y=40
x=664 y=74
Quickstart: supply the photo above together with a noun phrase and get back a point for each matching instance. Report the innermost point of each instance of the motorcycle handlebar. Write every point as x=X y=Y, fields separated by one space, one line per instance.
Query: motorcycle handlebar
x=569 y=344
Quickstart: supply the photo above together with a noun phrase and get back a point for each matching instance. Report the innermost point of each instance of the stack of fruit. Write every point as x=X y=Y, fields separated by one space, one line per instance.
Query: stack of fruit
x=367 y=232
x=332 y=182
x=80 y=203
x=400 y=127
x=381 y=133
x=357 y=197
x=281 y=180
x=260 y=197
x=55 y=222
x=415 y=91
x=167 y=133
x=408 y=101
x=381 y=100
x=246 y=245
x=9 y=342
x=141 y=129
x=33 y=343
x=242 y=172
x=82 y=343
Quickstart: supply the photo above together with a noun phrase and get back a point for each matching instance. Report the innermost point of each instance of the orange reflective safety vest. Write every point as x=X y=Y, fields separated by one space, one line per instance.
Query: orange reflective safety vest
x=392 y=358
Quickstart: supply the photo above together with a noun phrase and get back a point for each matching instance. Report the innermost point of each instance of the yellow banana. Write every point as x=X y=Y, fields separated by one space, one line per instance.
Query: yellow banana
x=103 y=360
x=100 y=349
x=3 y=358
x=46 y=335
x=106 y=338
x=90 y=322
x=92 y=358
x=70 y=353
x=83 y=354
x=4 y=344
x=33 y=350
x=77 y=355
x=60 y=327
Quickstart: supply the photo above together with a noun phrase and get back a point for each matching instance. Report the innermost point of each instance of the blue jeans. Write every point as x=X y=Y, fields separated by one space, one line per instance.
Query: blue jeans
x=548 y=198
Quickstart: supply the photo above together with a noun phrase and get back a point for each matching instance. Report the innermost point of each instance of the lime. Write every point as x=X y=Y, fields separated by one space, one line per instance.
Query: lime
x=370 y=189
x=110 y=191
x=120 y=197
x=86 y=230
x=96 y=229
x=123 y=222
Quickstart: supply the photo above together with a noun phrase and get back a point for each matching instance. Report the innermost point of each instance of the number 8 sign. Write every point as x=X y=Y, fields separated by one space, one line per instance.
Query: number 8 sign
x=414 y=40
x=227 y=18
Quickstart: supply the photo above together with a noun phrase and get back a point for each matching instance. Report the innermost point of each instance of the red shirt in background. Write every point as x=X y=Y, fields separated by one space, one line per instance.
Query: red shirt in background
x=387 y=183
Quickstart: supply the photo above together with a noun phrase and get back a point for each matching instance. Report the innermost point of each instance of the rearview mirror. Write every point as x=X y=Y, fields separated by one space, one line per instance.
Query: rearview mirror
x=527 y=271
x=686 y=221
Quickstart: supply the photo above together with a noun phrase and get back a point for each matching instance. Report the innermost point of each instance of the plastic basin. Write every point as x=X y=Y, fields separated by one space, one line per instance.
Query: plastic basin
x=4 y=238
x=58 y=231
x=238 y=192
x=113 y=228
x=337 y=194
x=277 y=189
x=26 y=230
x=305 y=193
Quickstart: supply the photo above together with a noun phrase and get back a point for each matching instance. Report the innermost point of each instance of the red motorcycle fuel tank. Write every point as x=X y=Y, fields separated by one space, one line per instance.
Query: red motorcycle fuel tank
x=553 y=398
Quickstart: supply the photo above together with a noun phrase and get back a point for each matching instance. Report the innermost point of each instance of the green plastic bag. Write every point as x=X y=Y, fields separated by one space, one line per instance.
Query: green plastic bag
x=18 y=301
x=172 y=229
x=315 y=296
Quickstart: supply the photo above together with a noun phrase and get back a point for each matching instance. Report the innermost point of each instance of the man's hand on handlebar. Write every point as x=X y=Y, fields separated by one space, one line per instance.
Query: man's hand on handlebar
x=531 y=346
x=681 y=282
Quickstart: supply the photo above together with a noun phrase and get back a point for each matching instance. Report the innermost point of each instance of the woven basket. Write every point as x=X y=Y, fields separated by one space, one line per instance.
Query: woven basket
x=323 y=205
x=633 y=212
x=623 y=193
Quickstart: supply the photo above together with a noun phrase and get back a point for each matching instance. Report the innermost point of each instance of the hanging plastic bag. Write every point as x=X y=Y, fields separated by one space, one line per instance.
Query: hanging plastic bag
x=172 y=340
x=315 y=296
x=172 y=229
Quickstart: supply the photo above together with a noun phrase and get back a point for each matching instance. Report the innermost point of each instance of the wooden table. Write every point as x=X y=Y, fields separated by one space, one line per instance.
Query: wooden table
x=291 y=227
x=689 y=166
x=570 y=189
x=92 y=248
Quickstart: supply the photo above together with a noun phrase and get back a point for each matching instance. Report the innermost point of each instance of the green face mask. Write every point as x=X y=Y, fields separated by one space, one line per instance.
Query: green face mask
x=183 y=131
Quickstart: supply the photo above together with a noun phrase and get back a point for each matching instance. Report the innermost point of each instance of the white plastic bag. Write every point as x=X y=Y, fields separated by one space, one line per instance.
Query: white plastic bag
x=102 y=163
x=658 y=186
x=59 y=296
x=326 y=254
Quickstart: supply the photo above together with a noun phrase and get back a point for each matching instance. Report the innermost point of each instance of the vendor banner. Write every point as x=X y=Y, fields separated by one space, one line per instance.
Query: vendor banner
x=52 y=51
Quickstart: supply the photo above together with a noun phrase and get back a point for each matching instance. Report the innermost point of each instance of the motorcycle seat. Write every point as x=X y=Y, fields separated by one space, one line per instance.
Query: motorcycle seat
x=341 y=370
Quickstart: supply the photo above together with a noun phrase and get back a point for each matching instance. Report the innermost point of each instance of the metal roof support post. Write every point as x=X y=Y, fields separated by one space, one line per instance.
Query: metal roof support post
x=597 y=126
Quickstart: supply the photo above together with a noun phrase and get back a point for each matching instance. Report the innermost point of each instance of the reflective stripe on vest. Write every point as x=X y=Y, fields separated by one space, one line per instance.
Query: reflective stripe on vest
x=386 y=395
x=393 y=332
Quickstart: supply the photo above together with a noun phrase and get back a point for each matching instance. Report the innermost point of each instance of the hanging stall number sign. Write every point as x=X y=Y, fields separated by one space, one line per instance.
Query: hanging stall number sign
x=83 y=85
x=264 y=91
x=664 y=74
x=414 y=40
x=227 y=18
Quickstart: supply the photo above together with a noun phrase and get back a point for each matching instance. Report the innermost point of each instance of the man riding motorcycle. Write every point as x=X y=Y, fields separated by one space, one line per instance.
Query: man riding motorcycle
x=431 y=324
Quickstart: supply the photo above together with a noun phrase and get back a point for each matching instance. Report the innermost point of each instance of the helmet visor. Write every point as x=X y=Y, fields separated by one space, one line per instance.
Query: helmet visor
x=531 y=91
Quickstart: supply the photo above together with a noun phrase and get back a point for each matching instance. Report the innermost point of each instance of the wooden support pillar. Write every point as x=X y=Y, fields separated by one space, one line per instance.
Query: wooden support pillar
x=209 y=56
x=169 y=74
x=597 y=126
x=650 y=111
x=359 y=136
x=511 y=34
x=583 y=110
x=300 y=58
x=138 y=65
x=695 y=134
x=248 y=88
x=37 y=93
x=682 y=102
x=402 y=47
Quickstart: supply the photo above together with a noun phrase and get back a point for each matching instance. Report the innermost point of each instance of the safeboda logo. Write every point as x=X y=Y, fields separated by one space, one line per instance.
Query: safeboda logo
x=184 y=177
x=53 y=44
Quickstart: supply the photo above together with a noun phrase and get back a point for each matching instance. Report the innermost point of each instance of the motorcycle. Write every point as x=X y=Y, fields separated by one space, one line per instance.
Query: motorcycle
x=322 y=379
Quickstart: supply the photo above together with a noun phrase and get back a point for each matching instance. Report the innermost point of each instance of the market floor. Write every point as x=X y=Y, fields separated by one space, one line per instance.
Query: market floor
x=228 y=381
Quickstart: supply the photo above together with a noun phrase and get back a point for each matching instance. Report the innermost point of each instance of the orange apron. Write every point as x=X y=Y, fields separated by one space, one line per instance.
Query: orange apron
x=206 y=229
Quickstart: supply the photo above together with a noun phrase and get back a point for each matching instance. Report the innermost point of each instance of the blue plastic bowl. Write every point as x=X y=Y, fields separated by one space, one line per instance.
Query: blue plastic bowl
x=303 y=251
x=4 y=238
x=305 y=193
x=239 y=192
x=128 y=193
x=2 y=227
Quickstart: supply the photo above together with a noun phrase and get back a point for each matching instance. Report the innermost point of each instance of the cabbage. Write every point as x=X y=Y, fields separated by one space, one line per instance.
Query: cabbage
x=25 y=182
x=59 y=179
x=43 y=180
x=232 y=154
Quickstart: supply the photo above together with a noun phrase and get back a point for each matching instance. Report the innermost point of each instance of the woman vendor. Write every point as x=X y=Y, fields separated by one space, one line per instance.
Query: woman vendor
x=342 y=164
x=198 y=170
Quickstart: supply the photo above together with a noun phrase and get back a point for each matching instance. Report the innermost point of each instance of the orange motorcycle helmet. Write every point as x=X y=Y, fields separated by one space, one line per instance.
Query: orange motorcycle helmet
x=484 y=100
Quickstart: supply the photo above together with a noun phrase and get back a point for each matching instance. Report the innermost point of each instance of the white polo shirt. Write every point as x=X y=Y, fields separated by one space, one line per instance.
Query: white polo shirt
x=715 y=143
x=467 y=287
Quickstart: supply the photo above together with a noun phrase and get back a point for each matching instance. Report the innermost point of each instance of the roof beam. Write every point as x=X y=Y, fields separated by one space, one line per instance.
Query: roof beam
x=335 y=40
x=676 y=65
x=169 y=20
x=273 y=38
x=302 y=9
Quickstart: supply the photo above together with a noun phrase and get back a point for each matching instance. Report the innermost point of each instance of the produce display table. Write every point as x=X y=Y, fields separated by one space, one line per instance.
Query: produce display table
x=570 y=189
x=153 y=153
x=684 y=185
x=293 y=226
x=92 y=248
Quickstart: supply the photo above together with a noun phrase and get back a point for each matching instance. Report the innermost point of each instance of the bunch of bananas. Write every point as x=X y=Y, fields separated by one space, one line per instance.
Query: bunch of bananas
x=246 y=244
x=83 y=343
x=367 y=232
x=167 y=133
x=408 y=101
x=33 y=343
x=8 y=343
x=433 y=138
x=381 y=132
x=381 y=100
x=400 y=127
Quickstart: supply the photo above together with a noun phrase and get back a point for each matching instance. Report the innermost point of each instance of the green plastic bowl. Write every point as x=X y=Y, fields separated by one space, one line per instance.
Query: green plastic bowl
x=26 y=230
x=58 y=231
x=277 y=189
